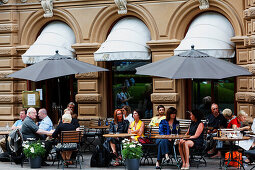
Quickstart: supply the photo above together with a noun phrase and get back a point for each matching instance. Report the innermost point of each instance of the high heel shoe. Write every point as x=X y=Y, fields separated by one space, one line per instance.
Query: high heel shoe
x=187 y=167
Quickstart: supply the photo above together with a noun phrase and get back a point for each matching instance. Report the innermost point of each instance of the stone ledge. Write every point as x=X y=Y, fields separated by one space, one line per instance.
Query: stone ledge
x=88 y=98
x=90 y=75
x=248 y=97
x=11 y=99
x=165 y=97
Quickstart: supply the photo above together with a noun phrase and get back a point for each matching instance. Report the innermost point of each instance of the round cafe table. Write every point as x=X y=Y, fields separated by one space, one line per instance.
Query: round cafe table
x=118 y=135
x=232 y=148
x=174 y=137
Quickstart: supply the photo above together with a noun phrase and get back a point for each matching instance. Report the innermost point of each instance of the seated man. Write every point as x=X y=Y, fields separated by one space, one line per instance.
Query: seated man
x=45 y=123
x=71 y=106
x=156 y=120
x=30 y=130
x=17 y=124
x=216 y=121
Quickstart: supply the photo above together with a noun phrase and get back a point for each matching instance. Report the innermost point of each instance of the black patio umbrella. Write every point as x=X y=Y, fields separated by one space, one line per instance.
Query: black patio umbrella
x=53 y=67
x=192 y=64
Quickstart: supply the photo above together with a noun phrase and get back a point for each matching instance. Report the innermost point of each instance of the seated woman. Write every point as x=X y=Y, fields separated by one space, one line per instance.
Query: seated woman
x=236 y=123
x=110 y=143
x=126 y=110
x=196 y=138
x=137 y=126
x=166 y=127
x=65 y=126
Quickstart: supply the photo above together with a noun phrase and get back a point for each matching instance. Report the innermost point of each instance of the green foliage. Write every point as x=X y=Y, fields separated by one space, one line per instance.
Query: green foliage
x=131 y=150
x=33 y=149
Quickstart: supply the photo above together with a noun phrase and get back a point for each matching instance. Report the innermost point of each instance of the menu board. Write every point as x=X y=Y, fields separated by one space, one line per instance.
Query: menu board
x=31 y=99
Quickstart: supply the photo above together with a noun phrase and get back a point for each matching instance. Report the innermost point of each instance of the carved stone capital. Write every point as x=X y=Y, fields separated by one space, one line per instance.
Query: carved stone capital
x=204 y=4
x=246 y=14
x=3 y=75
x=47 y=6
x=17 y=99
x=248 y=97
x=10 y=98
x=8 y=28
x=5 y=51
x=91 y=75
x=249 y=13
x=88 y=98
x=122 y=6
x=251 y=68
x=164 y=97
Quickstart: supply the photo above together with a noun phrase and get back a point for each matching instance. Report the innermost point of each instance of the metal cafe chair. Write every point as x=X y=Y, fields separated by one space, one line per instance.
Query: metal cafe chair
x=70 y=141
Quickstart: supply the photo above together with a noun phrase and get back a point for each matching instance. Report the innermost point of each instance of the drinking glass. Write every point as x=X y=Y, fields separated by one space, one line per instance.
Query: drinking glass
x=171 y=129
x=177 y=128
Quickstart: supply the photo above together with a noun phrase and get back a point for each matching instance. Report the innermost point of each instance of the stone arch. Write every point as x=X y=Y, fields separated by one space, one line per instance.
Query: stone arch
x=186 y=13
x=108 y=17
x=36 y=22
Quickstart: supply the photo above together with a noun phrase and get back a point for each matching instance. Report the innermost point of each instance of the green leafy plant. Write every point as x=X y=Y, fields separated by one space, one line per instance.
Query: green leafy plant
x=33 y=149
x=131 y=150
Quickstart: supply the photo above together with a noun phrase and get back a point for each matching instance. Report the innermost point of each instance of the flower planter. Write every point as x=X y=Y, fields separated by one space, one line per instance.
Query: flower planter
x=35 y=162
x=132 y=164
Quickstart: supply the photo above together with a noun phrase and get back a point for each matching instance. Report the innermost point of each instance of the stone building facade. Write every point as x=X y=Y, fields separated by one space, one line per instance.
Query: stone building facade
x=22 y=20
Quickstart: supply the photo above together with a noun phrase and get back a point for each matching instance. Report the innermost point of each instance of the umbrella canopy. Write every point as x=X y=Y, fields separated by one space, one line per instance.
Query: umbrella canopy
x=192 y=64
x=55 y=66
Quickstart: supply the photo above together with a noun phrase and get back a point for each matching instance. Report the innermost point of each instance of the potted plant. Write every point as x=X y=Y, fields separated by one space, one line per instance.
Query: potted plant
x=34 y=150
x=132 y=152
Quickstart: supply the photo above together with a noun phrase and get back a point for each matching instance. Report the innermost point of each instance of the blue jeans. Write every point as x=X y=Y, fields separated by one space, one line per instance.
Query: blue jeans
x=163 y=147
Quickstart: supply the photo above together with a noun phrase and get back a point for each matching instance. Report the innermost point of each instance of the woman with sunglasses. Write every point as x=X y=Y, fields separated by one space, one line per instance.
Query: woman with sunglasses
x=122 y=127
x=126 y=110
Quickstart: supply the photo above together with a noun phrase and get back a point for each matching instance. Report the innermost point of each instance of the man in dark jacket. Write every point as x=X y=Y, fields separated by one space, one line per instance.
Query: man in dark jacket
x=215 y=120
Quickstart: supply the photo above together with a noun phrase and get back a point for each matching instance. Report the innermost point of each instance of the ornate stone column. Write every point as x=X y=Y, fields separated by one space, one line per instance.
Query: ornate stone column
x=10 y=90
x=245 y=49
x=91 y=97
x=167 y=92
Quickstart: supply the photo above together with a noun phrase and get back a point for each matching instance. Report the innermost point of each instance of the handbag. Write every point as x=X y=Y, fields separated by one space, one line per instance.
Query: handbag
x=145 y=140
x=237 y=157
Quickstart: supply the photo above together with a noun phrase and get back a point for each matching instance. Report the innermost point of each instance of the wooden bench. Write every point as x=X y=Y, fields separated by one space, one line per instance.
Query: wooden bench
x=150 y=150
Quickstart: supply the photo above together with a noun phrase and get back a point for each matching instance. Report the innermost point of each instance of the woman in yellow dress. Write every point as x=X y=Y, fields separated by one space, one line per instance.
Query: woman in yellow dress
x=137 y=126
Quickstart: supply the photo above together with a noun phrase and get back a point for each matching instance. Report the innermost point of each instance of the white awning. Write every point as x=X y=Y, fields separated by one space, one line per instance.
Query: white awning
x=55 y=36
x=126 y=41
x=211 y=33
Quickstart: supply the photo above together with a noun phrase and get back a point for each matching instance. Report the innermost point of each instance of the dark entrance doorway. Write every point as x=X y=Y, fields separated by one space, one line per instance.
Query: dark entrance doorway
x=68 y=90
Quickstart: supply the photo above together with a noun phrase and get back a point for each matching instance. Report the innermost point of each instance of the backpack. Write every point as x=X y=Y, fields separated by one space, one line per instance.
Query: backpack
x=4 y=157
x=101 y=157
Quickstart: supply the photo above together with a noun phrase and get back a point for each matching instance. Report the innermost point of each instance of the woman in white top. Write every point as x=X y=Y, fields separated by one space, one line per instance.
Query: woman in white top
x=126 y=110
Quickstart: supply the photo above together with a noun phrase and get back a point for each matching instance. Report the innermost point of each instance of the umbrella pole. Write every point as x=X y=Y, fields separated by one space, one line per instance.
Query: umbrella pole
x=59 y=99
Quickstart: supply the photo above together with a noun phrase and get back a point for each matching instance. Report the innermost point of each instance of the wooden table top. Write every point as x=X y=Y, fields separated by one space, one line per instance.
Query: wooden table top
x=118 y=135
x=6 y=132
x=231 y=139
x=172 y=136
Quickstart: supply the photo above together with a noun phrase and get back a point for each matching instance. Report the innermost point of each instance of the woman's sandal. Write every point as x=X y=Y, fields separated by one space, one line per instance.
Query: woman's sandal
x=116 y=155
x=116 y=163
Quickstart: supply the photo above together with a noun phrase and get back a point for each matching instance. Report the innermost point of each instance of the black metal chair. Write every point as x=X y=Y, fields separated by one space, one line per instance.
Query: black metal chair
x=197 y=154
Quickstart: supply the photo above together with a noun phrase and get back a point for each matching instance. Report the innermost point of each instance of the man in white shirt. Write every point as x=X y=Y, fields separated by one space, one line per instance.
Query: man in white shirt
x=45 y=123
